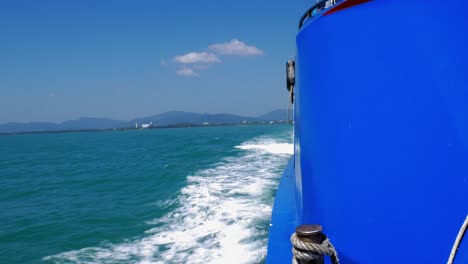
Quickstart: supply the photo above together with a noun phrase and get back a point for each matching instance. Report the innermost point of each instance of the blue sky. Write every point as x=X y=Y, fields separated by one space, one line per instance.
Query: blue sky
x=63 y=60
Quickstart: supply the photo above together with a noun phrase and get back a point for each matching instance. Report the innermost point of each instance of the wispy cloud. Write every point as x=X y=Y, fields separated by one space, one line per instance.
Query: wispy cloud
x=197 y=57
x=193 y=62
x=235 y=47
x=187 y=72
x=51 y=94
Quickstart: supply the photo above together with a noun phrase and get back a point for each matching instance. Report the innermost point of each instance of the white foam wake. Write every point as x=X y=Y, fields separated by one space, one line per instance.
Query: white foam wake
x=274 y=148
x=222 y=218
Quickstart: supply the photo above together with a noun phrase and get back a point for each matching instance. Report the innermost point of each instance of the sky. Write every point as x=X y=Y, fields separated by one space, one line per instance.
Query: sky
x=61 y=60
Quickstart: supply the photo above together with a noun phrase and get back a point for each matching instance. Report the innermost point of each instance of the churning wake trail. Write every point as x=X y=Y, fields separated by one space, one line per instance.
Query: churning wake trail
x=274 y=148
x=222 y=215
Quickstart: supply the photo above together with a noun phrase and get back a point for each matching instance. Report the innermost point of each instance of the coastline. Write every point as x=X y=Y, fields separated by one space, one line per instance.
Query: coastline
x=177 y=125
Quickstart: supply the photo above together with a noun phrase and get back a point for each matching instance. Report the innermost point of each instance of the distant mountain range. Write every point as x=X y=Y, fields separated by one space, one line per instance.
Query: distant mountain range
x=159 y=120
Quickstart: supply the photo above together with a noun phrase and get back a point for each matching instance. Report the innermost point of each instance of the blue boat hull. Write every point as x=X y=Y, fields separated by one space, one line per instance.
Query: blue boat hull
x=381 y=133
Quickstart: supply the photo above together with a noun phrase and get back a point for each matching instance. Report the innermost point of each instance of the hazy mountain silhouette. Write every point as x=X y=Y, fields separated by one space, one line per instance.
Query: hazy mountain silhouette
x=177 y=117
x=280 y=114
x=163 y=119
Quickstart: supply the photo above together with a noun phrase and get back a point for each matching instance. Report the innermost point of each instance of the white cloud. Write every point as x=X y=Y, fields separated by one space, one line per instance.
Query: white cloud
x=235 y=47
x=202 y=60
x=187 y=72
x=197 y=57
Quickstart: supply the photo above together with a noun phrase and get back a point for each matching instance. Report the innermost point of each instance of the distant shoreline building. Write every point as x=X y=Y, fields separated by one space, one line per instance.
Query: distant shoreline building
x=144 y=125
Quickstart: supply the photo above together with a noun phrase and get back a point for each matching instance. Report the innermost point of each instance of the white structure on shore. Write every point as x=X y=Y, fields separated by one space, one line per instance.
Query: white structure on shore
x=145 y=126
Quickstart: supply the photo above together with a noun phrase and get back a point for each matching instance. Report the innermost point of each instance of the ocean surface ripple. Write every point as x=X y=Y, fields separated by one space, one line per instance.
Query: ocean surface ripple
x=205 y=196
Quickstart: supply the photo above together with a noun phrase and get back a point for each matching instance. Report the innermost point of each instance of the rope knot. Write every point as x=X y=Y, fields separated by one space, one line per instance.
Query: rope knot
x=312 y=252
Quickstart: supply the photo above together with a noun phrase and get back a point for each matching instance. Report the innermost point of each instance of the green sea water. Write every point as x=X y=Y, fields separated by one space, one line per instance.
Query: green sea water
x=186 y=195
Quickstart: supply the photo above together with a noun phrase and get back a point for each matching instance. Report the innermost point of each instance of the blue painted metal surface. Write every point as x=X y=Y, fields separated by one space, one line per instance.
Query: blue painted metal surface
x=284 y=219
x=381 y=131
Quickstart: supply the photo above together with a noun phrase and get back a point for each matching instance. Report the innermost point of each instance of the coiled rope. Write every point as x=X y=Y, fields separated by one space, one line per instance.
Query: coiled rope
x=310 y=251
x=313 y=252
x=458 y=240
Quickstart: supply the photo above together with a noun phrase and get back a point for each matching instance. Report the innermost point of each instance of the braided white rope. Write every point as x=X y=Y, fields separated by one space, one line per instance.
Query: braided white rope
x=312 y=251
x=458 y=240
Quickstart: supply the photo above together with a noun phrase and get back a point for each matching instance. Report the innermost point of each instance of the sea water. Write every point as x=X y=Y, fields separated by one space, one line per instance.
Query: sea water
x=185 y=195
